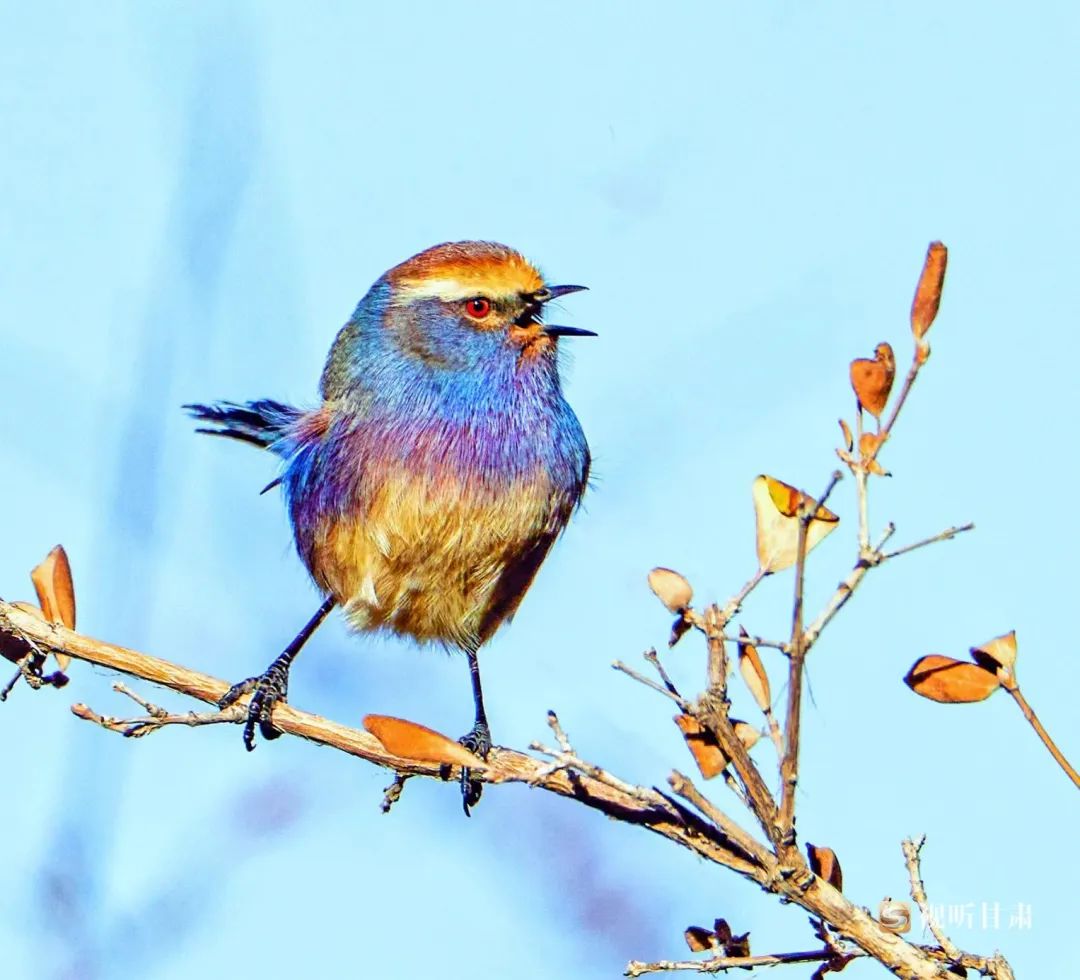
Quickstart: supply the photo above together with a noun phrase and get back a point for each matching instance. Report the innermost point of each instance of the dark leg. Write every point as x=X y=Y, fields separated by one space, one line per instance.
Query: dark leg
x=477 y=741
x=272 y=686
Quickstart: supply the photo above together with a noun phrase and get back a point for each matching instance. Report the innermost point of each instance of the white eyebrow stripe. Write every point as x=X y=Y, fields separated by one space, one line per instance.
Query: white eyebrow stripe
x=447 y=290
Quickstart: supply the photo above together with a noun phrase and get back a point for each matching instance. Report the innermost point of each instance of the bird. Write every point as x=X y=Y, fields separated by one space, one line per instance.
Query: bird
x=429 y=483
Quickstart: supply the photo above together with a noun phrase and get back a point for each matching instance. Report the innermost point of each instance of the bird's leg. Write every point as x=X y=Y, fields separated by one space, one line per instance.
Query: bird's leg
x=272 y=685
x=478 y=741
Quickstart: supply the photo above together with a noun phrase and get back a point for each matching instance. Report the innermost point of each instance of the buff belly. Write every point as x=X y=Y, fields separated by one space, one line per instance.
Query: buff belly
x=437 y=560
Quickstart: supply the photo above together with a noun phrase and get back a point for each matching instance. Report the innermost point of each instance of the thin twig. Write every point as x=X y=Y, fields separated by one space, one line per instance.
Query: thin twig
x=393 y=792
x=649 y=682
x=560 y=735
x=1032 y=719
x=653 y=658
x=713 y=710
x=861 y=482
x=774 y=733
x=684 y=787
x=789 y=765
x=734 y=604
x=947 y=535
x=845 y=590
x=834 y=479
x=719 y=964
x=911 y=850
x=159 y=718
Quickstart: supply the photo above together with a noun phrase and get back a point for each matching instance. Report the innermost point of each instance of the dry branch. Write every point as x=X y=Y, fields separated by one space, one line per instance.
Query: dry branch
x=572 y=777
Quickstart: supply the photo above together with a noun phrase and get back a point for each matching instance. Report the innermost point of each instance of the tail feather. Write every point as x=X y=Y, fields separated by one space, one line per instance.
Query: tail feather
x=261 y=423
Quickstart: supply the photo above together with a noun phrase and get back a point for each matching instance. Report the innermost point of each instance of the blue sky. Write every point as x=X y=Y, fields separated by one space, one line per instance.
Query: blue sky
x=195 y=197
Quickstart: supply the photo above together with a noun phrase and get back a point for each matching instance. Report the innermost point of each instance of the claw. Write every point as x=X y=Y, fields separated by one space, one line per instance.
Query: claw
x=478 y=741
x=269 y=688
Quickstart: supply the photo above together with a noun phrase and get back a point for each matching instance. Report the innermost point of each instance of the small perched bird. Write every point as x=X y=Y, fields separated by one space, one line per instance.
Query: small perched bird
x=428 y=486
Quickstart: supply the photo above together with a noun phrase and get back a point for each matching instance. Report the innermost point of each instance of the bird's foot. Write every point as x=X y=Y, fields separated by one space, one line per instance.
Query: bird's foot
x=269 y=688
x=478 y=741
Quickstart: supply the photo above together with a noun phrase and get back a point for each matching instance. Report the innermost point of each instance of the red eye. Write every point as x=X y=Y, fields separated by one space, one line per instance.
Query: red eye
x=478 y=307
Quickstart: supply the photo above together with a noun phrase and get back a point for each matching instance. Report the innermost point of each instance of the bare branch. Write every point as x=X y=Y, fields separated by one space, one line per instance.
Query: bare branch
x=1010 y=685
x=845 y=590
x=789 y=765
x=650 y=683
x=947 y=535
x=911 y=850
x=684 y=787
x=719 y=964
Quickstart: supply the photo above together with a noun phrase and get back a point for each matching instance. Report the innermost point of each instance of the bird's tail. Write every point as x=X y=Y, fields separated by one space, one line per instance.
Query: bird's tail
x=265 y=423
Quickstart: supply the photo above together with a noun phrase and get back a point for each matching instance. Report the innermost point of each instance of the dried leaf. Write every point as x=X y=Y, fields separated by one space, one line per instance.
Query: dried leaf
x=869 y=443
x=998 y=652
x=924 y=306
x=679 y=629
x=873 y=379
x=753 y=672
x=746 y=733
x=56 y=593
x=710 y=758
x=894 y=916
x=55 y=590
x=738 y=946
x=950 y=681
x=408 y=740
x=671 y=589
x=699 y=939
x=825 y=864
x=776 y=509
x=845 y=430
x=29 y=607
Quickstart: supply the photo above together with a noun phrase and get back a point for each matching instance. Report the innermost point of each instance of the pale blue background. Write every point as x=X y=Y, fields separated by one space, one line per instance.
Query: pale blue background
x=194 y=196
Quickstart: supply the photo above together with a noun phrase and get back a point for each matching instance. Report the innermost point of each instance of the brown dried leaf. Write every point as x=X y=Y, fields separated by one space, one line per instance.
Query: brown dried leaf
x=924 y=306
x=56 y=593
x=998 y=652
x=776 y=509
x=671 y=589
x=679 y=629
x=869 y=443
x=845 y=430
x=738 y=946
x=710 y=758
x=825 y=864
x=746 y=733
x=408 y=740
x=873 y=379
x=950 y=681
x=55 y=590
x=753 y=672
x=699 y=939
x=29 y=607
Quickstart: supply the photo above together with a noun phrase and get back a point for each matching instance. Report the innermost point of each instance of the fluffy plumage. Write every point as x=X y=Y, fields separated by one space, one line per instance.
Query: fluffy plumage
x=427 y=488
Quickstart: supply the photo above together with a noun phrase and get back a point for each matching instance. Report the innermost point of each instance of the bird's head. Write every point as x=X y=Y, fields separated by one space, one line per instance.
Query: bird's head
x=471 y=307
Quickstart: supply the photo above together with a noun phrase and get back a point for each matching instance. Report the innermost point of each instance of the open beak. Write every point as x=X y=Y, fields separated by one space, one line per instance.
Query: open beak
x=554 y=292
x=553 y=331
x=549 y=293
